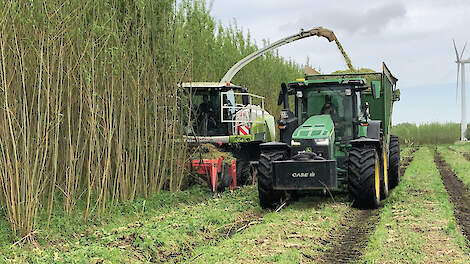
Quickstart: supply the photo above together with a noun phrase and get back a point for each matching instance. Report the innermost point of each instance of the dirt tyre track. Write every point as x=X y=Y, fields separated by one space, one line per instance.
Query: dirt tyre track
x=457 y=193
x=406 y=161
x=349 y=240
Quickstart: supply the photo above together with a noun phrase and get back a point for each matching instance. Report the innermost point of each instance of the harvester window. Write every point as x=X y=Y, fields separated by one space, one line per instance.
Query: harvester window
x=229 y=100
x=206 y=105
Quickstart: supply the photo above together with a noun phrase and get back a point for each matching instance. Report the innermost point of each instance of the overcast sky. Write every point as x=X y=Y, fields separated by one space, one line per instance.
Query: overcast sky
x=414 y=39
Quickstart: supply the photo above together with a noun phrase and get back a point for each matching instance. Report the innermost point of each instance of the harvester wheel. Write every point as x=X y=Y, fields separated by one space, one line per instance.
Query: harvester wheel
x=364 y=177
x=268 y=198
x=244 y=175
x=394 y=169
x=224 y=178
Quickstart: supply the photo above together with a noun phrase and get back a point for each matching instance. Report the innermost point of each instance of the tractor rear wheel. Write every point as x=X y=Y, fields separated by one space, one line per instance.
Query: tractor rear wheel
x=268 y=197
x=364 y=177
x=394 y=169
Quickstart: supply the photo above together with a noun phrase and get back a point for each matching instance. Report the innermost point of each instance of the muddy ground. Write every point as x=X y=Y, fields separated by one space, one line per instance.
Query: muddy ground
x=457 y=192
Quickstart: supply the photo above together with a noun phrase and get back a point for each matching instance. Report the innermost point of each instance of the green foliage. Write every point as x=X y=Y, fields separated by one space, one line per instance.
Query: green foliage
x=431 y=133
x=89 y=98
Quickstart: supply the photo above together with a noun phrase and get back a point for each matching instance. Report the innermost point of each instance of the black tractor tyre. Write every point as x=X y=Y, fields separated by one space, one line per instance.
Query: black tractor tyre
x=268 y=197
x=364 y=177
x=394 y=162
x=384 y=177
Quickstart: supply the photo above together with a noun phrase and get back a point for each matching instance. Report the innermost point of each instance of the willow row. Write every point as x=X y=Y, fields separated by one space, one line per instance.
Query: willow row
x=91 y=111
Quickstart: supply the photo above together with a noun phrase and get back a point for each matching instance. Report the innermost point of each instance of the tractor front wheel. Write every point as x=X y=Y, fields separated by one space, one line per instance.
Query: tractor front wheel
x=364 y=177
x=268 y=197
x=394 y=169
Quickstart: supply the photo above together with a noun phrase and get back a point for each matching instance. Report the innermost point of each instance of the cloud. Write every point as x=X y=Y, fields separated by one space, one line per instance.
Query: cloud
x=351 y=19
x=414 y=38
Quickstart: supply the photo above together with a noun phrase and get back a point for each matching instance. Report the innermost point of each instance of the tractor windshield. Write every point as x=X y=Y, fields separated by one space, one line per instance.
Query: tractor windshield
x=334 y=101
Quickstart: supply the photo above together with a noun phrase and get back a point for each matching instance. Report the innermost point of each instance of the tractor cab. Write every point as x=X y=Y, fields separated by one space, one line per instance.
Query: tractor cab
x=326 y=111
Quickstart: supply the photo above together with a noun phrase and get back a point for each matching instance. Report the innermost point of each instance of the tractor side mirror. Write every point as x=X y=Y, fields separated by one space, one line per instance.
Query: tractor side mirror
x=283 y=96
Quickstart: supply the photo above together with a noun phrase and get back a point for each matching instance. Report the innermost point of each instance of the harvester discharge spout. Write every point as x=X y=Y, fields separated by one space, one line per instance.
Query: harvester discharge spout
x=319 y=32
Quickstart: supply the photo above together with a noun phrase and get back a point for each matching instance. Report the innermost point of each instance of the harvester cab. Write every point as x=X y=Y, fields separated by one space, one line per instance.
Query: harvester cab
x=226 y=113
x=234 y=122
x=337 y=138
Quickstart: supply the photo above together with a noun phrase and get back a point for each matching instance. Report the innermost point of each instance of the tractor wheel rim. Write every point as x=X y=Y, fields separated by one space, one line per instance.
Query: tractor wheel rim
x=385 y=169
x=377 y=178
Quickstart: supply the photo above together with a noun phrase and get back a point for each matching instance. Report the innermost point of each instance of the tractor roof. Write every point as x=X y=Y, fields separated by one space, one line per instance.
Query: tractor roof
x=299 y=83
x=210 y=85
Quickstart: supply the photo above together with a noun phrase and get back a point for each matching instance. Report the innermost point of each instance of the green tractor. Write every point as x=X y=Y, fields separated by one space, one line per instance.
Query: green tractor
x=338 y=138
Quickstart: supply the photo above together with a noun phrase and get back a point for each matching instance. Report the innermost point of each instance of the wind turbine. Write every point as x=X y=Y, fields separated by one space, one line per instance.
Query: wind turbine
x=461 y=64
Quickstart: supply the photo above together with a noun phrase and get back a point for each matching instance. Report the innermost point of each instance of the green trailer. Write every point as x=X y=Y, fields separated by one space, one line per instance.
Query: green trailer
x=336 y=138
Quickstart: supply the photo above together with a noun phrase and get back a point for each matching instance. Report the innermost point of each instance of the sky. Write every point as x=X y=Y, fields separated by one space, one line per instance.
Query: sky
x=414 y=39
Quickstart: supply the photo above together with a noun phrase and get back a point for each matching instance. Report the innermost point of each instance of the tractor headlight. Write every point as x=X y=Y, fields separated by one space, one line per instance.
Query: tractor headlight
x=294 y=143
x=322 y=141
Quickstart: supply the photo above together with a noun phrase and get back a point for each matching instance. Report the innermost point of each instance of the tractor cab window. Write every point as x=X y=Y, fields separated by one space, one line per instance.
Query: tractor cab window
x=333 y=101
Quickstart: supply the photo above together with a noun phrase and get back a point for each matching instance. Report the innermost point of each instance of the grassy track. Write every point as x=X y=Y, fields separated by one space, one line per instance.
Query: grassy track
x=164 y=228
x=417 y=223
x=296 y=234
x=188 y=228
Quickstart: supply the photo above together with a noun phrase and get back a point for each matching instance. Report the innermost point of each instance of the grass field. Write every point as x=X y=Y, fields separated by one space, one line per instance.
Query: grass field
x=92 y=153
x=416 y=224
